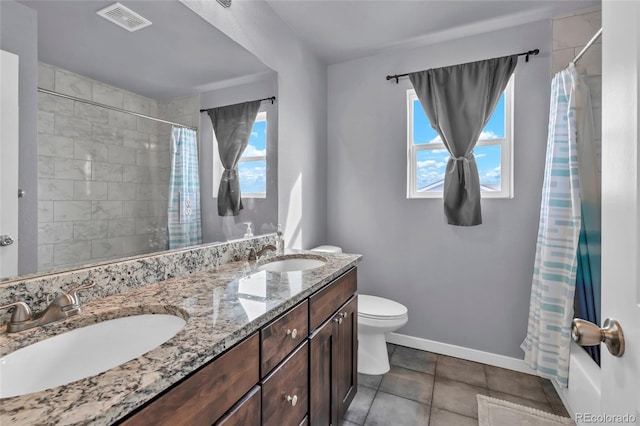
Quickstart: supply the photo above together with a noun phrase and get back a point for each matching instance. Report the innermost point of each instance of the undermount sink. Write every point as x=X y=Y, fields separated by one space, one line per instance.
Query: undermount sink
x=83 y=352
x=290 y=264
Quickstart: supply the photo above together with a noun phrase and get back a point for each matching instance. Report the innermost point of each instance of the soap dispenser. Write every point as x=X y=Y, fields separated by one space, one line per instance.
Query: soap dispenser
x=249 y=232
x=279 y=241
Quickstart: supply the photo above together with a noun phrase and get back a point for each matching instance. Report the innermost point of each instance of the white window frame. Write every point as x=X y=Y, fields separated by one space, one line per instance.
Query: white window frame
x=506 y=151
x=218 y=168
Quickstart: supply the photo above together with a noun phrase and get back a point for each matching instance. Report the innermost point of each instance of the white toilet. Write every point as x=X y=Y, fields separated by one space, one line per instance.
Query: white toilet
x=376 y=317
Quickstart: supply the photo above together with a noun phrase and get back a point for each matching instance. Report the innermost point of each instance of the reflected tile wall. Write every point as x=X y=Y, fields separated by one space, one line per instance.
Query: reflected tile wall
x=103 y=175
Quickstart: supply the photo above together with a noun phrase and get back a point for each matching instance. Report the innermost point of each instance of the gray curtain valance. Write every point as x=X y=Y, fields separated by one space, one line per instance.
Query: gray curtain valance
x=232 y=126
x=459 y=101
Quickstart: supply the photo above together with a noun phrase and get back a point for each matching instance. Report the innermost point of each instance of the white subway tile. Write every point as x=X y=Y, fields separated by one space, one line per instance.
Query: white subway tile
x=55 y=146
x=122 y=191
x=121 y=155
x=54 y=104
x=121 y=227
x=91 y=113
x=106 y=134
x=45 y=211
x=147 y=126
x=72 y=84
x=135 y=244
x=46 y=76
x=76 y=252
x=106 y=248
x=575 y=30
x=55 y=232
x=55 y=189
x=136 y=174
x=90 y=190
x=106 y=172
x=591 y=62
x=73 y=169
x=132 y=209
x=108 y=95
x=135 y=139
x=72 y=127
x=122 y=120
x=90 y=229
x=46 y=167
x=45 y=257
x=46 y=122
x=90 y=151
x=136 y=103
x=71 y=210
x=106 y=210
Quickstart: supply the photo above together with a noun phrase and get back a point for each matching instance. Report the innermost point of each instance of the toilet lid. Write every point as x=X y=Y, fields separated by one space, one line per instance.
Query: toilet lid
x=378 y=307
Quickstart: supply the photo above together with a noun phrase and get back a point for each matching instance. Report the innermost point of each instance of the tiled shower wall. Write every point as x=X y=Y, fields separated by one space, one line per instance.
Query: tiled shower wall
x=570 y=34
x=102 y=175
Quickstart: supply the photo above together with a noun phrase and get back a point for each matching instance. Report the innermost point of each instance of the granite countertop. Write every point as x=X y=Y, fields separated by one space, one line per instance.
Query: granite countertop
x=221 y=306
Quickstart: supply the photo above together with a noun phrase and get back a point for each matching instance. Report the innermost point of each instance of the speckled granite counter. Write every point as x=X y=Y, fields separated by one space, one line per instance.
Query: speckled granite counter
x=222 y=306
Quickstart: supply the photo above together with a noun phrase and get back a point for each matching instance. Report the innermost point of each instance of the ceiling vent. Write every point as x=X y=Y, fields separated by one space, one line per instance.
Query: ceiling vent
x=124 y=17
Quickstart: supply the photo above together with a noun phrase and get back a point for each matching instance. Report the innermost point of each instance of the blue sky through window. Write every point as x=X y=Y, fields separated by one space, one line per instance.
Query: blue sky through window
x=253 y=174
x=431 y=164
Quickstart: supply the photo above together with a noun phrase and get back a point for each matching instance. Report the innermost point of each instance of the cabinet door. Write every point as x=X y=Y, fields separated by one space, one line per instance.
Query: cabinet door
x=322 y=367
x=347 y=355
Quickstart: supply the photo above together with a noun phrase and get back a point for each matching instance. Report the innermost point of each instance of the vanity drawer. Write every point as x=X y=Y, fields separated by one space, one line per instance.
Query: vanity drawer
x=326 y=301
x=280 y=337
x=208 y=393
x=289 y=380
x=246 y=412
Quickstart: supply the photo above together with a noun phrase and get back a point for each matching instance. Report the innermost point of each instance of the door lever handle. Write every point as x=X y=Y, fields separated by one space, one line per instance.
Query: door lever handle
x=586 y=333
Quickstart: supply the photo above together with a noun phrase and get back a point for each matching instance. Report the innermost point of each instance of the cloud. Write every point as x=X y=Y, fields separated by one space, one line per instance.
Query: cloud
x=252 y=151
x=479 y=155
x=489 y=135
x=491 y=176
x=431 y=163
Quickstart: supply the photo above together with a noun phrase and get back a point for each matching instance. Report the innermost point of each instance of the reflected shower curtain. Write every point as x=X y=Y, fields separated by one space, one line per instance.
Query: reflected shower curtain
x=184 y=225
x=547 y=343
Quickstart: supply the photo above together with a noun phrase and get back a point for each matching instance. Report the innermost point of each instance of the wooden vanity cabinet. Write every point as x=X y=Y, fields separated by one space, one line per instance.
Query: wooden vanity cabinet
x=276 y=377
x=333 y=349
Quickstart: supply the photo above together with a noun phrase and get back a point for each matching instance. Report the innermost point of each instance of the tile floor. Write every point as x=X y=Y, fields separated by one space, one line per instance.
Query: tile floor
x=427 y=389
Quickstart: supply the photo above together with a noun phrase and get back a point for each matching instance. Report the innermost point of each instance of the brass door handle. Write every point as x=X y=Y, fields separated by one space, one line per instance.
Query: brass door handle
x=586 y=333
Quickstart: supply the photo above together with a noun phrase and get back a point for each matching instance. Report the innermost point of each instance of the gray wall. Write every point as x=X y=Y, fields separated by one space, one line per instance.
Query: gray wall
x=263 y=213
x=302 y=113
x=19 y=35
x=465 y=286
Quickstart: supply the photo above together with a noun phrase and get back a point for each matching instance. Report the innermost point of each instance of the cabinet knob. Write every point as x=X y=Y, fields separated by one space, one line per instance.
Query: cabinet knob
x=338 y=320
x=292 y=399
x=344 y=314
x=293 y=333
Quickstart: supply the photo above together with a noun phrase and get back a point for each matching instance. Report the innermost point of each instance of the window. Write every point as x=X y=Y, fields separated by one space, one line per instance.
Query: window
x=252 y=166
x=427 y=156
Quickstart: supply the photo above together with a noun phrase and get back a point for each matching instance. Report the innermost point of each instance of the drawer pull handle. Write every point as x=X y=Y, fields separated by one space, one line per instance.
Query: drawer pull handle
x=292 y=399
x=338 y=320
x=344 y=314
x=293 y=333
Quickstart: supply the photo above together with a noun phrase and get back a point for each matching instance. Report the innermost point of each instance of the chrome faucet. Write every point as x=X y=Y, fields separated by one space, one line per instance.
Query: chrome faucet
x=63 y=306
x=255 y=255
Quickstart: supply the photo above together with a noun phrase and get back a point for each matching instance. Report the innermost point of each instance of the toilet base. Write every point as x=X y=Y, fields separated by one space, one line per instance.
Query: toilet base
x=373 y=357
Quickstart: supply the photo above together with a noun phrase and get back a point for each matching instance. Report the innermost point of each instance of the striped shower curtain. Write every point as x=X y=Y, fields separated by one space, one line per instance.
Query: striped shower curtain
x=184 y=224
x=547 y=343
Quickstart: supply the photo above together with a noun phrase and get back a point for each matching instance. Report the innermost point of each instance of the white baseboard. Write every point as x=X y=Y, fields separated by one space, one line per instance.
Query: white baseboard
x=460 y=352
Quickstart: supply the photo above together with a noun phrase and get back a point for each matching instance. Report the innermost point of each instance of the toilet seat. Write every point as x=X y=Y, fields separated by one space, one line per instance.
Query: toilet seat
x=379 y=308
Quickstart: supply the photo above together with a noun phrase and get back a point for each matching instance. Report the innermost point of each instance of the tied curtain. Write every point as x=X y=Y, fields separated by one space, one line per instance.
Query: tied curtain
x=459 y=101
x=232 y=126
x=184 y=226
x=547 y=343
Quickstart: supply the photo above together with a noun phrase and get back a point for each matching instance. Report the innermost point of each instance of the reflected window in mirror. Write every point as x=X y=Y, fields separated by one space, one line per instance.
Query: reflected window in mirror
x=252 y=166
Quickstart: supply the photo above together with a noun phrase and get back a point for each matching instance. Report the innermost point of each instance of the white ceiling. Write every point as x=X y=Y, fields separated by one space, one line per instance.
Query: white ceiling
x=347 y=29
x=179 y=54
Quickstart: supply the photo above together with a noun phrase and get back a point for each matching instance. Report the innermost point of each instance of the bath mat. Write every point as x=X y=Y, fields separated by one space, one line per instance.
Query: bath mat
x=496 y=412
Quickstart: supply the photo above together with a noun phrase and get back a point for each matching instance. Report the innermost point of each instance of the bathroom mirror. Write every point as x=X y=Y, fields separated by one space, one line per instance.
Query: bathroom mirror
x=95 y=179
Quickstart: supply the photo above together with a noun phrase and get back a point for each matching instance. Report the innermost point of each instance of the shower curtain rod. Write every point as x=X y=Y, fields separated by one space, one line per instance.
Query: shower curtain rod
x=270 y=98
x=73 y=98
x=526 y=54
x=589 y=44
